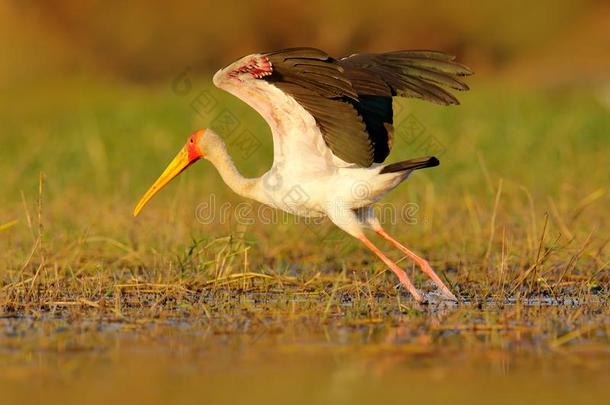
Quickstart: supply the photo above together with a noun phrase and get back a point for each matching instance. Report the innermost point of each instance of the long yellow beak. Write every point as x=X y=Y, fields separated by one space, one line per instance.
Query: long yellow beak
x=176 y=166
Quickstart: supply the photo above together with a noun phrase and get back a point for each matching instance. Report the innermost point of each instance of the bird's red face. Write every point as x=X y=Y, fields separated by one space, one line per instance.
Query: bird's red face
x=189 y=154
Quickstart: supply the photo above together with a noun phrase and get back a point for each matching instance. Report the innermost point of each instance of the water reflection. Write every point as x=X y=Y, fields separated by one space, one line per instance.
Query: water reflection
x=457 y=354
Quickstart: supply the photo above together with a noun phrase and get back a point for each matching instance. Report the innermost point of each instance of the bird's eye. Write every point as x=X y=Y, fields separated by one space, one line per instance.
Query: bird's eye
x=192 y=140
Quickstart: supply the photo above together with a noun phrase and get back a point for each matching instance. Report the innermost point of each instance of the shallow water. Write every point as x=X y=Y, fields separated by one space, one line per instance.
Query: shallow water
x=461 y=354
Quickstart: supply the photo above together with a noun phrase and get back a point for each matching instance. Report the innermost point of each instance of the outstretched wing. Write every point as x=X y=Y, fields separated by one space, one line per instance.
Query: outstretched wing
x=377 y=78
x=346 y=103
x=419 y=74
x=320 y=86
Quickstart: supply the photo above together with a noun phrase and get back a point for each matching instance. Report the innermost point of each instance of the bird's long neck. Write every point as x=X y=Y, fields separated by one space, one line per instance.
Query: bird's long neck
x=221 y=159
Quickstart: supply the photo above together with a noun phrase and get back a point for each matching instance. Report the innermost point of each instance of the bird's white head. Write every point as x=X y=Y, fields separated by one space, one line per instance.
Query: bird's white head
x=197 y=146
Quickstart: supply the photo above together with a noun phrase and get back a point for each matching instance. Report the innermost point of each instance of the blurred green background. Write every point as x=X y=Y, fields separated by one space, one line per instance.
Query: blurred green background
x=88 y=97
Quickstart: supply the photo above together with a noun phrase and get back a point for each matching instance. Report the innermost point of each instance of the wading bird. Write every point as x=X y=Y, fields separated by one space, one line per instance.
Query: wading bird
x=331 y=122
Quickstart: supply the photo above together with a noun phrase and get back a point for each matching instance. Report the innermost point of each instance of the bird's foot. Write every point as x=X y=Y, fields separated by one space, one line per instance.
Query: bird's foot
x=444 y=290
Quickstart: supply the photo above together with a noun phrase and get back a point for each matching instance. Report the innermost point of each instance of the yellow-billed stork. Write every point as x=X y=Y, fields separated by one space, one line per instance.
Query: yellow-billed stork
x=331 y=122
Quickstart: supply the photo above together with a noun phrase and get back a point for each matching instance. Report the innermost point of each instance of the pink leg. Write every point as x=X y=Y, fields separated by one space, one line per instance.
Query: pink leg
x=423 y=264
x=402 y=276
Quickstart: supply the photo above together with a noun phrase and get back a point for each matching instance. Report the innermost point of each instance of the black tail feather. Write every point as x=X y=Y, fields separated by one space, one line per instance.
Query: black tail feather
x=411 y=164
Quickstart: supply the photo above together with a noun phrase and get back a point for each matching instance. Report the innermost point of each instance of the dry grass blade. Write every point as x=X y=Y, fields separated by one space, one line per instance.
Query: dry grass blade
x=492 y=225
x=236 y=278
x=8 y=225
